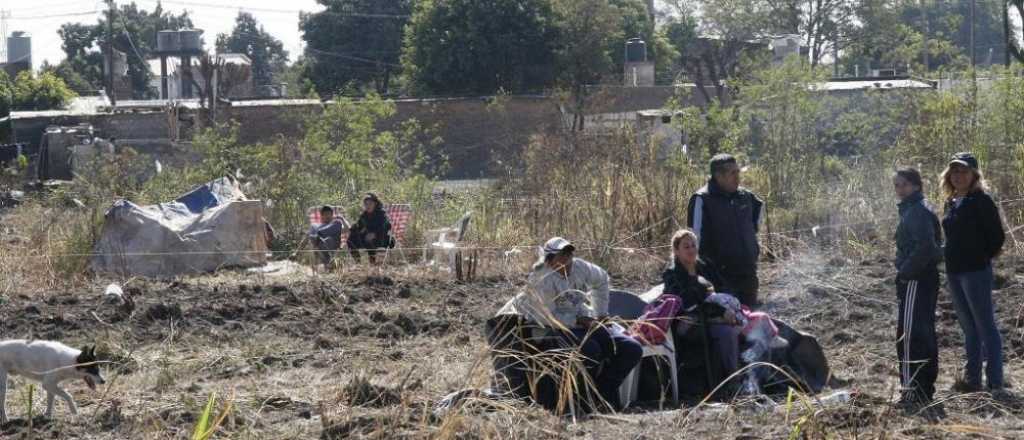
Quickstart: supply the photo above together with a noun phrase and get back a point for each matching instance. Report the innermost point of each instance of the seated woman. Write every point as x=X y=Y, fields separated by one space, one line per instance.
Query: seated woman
x=693 y=280
x=371 y=231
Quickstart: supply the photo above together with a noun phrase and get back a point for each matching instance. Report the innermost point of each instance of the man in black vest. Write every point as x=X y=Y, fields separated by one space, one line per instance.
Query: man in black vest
x=725 y=217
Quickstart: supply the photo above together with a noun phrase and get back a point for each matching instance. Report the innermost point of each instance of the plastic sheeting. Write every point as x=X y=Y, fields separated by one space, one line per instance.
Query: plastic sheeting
x=210 y=228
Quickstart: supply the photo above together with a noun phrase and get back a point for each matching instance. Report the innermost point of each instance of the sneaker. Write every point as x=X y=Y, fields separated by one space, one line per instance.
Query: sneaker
x=911 y=402
x=964 y=386
x=915 y=404
x=1002 y=395
x=933 y=411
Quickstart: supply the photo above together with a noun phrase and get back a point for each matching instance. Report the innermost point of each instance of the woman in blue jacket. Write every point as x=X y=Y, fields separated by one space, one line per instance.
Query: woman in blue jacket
x=918 y=252
x=974 y=236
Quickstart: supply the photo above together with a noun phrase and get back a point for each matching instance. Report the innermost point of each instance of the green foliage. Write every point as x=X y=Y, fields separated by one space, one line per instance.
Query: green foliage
x=6 y=100
x=264 y=50
x=45 y=92
x=67 y=73
x=889 y=34
x=468 y=46
x=358 y=50
x=342 y=154
x=207 y=424
x=135 y=33
x=786 y=114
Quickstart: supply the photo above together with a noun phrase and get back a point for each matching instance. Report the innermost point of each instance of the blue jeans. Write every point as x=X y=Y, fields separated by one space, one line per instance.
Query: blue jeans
x=972 y=298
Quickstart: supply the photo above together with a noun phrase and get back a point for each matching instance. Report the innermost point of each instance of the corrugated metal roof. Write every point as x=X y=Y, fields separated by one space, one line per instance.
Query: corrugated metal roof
x=879 y=83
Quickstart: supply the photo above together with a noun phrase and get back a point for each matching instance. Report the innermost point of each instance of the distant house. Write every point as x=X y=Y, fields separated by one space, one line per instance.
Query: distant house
x=237 y=79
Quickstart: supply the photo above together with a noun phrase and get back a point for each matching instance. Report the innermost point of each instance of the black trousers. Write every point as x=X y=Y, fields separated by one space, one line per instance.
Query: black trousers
x=357 y=241
x=916 y=345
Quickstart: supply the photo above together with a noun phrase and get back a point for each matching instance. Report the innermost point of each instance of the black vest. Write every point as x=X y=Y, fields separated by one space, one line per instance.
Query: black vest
x=728 y=234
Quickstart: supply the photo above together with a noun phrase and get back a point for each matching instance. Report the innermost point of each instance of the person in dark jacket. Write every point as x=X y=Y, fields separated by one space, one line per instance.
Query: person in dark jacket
x=726 y=217
x=371 y=231
x=692 y=279
x=918 y=252
x=974 y=236
x=326 y=236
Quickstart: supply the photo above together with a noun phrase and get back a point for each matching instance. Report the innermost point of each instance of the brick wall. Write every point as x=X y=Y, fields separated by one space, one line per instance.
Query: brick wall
x=475 y=133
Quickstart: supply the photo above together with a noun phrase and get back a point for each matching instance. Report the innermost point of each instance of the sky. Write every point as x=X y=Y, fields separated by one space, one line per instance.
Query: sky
x=42 y=18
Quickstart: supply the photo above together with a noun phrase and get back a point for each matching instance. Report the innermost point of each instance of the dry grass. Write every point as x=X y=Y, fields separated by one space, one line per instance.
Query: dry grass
x=289 y=382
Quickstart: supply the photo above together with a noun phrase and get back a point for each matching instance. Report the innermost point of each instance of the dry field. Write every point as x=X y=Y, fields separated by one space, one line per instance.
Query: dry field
x=365 y=353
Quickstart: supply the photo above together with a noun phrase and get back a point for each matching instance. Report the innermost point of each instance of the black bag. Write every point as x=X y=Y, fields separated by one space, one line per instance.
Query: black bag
x=655 y=385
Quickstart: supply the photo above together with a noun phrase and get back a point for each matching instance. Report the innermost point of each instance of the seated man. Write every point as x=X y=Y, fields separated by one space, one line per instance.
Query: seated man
x=326 y=236
x=558 y=289
x=371 y=231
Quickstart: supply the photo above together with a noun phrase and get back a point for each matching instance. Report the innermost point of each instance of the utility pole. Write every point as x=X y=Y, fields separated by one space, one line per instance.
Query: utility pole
x=1006 y=33
x=927 y=33
x=110 y=52
x=974 y=58
x=4 y=15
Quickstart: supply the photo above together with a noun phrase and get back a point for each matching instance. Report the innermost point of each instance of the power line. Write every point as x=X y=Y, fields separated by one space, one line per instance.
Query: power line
x=353 y=58
x=47 y=7
x=42 y=17
x=132 y=44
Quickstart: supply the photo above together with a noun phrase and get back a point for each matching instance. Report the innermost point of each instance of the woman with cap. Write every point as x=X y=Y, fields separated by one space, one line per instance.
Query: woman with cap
x=371 y=231
x=559 y=288
x=974 y=236
x=918 y=252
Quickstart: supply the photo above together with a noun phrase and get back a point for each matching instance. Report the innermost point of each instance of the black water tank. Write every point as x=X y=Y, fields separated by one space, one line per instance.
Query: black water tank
x=636 y=50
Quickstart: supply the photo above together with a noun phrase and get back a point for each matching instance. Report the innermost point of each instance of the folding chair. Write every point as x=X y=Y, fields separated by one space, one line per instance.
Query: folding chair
x=629 y=306
x=400 y=214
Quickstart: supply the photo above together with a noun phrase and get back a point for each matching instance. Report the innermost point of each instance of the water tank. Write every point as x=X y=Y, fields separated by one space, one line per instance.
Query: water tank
x=19 y=48
x=636 y=50
x=191 y=40
x=168 y=41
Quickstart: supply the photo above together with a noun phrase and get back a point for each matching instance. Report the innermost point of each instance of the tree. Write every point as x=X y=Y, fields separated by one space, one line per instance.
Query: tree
x=249 y=37
x=66 y=72
x=6 y=99
x=134 y=33
x=731 y=31
x=354 y=43
x=634 y=21
x=591 y=35
x=45 y=92
x=81 y=53
x=819 y=22
x=586 y=28
x=469 y=46
x=932 y=34
x=217 y=76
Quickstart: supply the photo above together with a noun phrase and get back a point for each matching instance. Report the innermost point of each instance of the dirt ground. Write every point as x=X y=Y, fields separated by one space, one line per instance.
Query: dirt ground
x=355 y=356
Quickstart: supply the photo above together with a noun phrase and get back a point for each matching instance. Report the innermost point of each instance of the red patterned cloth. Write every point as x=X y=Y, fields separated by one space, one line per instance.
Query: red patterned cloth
x=399 y=214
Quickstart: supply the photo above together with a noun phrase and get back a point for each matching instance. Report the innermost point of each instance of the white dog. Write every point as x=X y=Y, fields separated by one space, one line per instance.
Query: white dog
x=49 y=363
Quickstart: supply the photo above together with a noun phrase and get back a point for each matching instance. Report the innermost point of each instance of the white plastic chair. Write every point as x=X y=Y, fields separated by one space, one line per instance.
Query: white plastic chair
x=629 y=388
x=448 y=242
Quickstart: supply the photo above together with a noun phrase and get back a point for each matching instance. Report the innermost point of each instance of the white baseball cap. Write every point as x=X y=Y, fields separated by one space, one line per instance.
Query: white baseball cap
x=557 y=245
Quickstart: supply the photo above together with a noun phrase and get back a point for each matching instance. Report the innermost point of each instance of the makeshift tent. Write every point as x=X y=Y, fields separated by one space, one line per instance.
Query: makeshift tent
x=212 y=227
